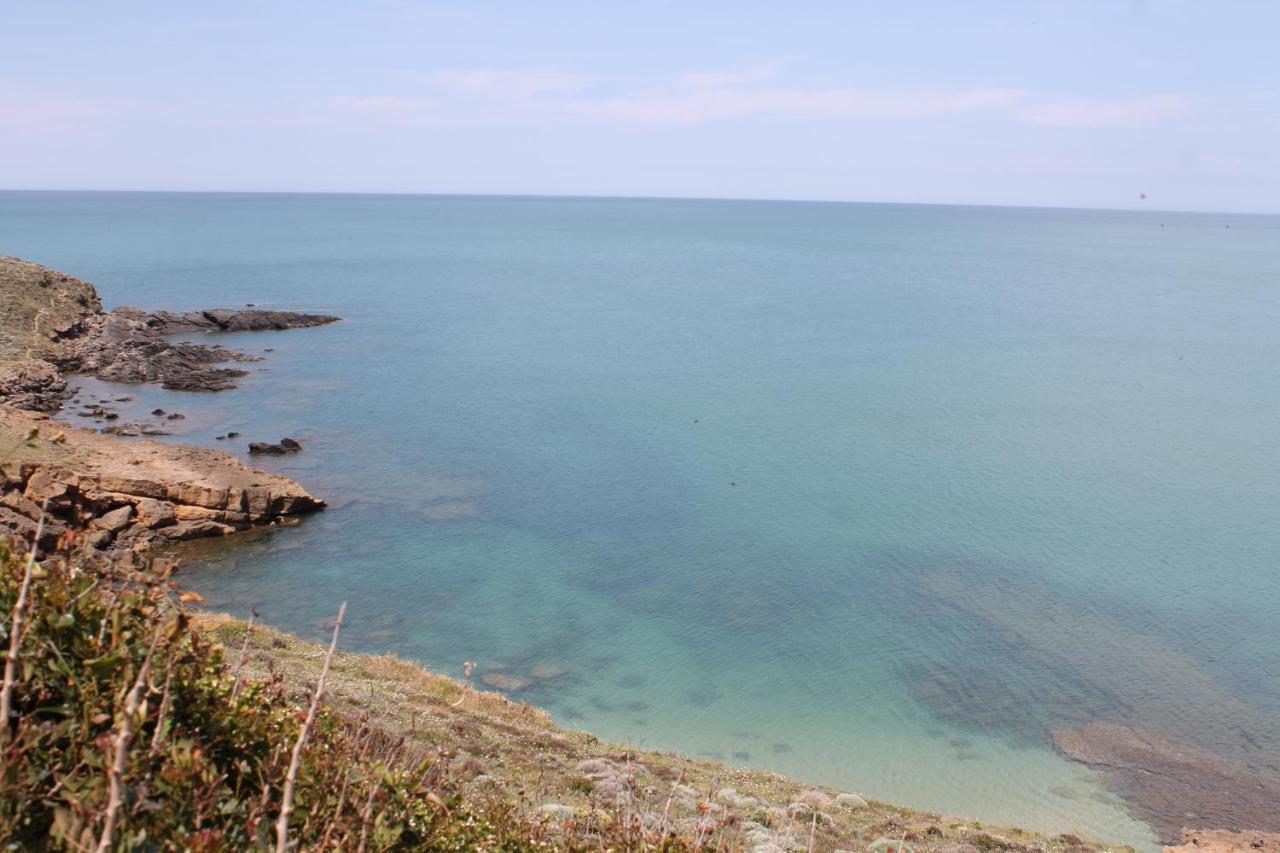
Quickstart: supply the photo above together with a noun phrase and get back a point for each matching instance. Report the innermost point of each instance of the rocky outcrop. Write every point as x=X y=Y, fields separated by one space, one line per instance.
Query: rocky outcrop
x=125 y=499
x=232 y=320
x=283 y=447
x=52 y=324
x=40 y=310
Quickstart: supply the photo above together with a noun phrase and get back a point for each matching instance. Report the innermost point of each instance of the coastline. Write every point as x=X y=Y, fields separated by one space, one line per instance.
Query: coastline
x=208 y=493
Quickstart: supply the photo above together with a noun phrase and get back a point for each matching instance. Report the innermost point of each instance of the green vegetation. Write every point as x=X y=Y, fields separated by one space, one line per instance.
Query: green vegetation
x=125 y=714
x=131 y=728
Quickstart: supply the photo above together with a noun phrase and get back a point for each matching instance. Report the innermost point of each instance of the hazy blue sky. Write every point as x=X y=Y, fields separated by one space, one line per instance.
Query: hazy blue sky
x=1073 y=102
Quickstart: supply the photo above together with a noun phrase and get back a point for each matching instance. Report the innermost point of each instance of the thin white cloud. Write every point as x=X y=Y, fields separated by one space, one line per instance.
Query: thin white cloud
x=23 y=109
x=1146 y=111
x=381 y=104
x=725 y=79
x=488 y=94
x=509 y=85
x=728 y=103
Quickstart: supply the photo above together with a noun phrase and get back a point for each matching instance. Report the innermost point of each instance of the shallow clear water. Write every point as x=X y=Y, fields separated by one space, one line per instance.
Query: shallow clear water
x=873 y=495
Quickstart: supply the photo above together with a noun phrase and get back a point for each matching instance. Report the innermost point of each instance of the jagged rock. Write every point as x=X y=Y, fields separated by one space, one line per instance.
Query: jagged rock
x=138 y=493
x=285 y=445
x=115 y=520
x=25 y=528
x=51 y=324
x=232 y=320
x=154 y=513
x=99 y=538
x=40 y=310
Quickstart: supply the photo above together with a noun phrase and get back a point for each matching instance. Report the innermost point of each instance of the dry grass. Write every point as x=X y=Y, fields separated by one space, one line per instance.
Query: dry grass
x=515 y=752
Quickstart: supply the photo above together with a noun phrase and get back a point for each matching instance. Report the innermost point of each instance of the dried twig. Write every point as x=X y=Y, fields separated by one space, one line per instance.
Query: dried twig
x=244 y=653
x=291 y=778
x=125 y=734
x=157 y=736
x=15 y=626
x=363 y=739
x=662 y=827
x=365 y=817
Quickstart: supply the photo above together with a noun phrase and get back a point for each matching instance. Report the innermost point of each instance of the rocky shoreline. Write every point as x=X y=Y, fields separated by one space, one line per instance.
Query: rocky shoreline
x=125 y=496
x=129 y=497
x=53 y=325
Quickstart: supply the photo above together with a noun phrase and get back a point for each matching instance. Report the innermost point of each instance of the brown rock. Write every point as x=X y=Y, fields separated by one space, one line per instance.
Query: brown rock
x=154 y=514
x=136 y=488
x=50 y=483
x=20 y=503
x=113 y=521
x=195 y=530
x=130 y=486
x=183 y=512
x=99 y=538
x=1224 y=841
x=198 y=494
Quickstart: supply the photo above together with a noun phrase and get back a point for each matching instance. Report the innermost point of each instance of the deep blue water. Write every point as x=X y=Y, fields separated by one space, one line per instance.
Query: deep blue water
x=875 y=495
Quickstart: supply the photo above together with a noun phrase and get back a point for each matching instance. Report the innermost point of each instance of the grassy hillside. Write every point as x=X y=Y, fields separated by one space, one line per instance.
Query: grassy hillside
x=136 y=724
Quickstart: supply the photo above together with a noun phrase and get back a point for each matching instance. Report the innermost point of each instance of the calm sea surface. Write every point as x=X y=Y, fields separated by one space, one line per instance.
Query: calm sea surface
x=874 y=495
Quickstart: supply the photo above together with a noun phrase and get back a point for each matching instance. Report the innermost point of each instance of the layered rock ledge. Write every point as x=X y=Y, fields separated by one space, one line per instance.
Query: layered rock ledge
x=128 y=497
x=122 y=497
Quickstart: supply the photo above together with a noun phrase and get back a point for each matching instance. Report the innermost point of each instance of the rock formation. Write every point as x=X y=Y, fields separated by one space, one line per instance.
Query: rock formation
x=284 y=446
x=123 y=498
x=52 y=324
x=130 y=497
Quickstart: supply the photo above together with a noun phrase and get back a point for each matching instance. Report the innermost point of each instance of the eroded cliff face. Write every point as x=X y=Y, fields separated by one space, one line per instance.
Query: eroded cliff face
x=130 y=496
x=41 y=312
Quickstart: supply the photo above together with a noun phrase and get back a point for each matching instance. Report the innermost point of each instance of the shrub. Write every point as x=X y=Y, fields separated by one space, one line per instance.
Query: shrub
x=110 y=674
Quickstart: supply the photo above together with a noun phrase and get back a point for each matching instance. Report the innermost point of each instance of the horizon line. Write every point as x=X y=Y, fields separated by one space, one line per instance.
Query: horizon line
x=611 y=197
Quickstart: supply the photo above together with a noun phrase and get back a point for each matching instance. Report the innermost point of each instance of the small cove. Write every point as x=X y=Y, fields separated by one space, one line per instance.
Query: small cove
x=877 y=496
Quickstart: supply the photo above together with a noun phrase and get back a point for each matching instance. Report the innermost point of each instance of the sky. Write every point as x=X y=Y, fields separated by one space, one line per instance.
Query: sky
x=1075 y=103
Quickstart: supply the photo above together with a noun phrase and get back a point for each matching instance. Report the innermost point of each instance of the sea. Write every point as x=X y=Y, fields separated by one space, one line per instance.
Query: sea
x=877 y=496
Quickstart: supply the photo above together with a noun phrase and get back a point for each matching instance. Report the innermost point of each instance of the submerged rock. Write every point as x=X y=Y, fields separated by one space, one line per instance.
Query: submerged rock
x=1164 y=781
x=285 y=445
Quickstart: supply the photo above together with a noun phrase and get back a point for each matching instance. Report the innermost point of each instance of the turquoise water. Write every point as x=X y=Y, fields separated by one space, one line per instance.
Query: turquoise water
x=873 y=495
